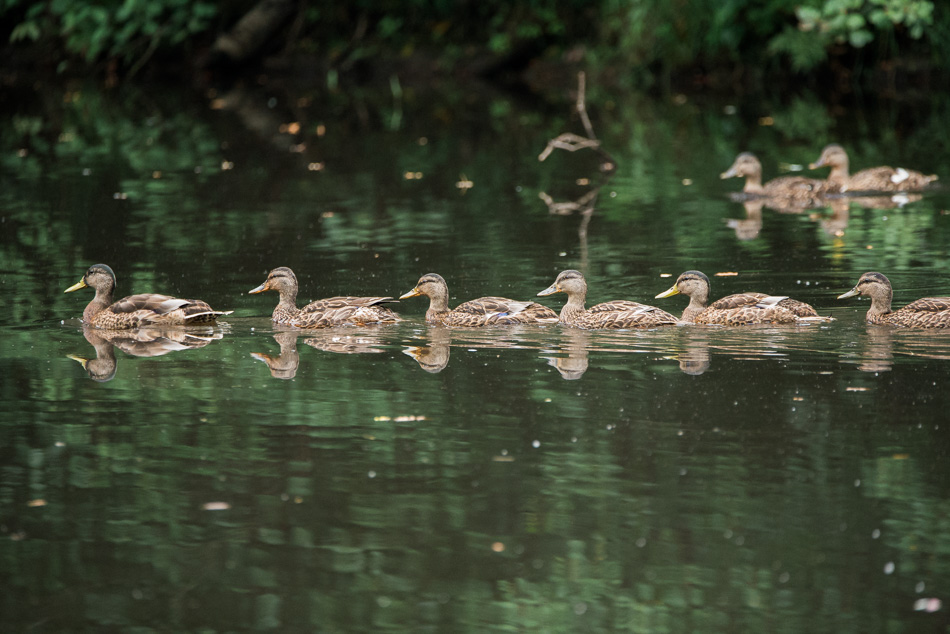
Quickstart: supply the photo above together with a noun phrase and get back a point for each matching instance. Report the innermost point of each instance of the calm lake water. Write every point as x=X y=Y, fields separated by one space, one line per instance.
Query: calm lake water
x=417 y=479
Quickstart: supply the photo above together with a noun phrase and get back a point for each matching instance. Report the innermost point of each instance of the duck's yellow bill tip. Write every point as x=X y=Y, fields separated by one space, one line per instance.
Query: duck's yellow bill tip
x=76 y=286
x=670 y=292
x=413 y=293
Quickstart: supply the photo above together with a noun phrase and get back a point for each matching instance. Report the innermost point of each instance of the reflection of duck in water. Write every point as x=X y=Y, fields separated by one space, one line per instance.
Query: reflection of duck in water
x=140 y=342
x=284 y=365
x=929 y=312
x=136 y=311
x=837 y=222
x=781 y=190
x=736 y=310
x=340 y=343
x=575 y=343
x=695 y=359
x=615 y=314
x=484 y=311
x=874 y=179
x=434 y=357
x=103 y=367
x=323 y=313
x=748 y=228
x=878 y=354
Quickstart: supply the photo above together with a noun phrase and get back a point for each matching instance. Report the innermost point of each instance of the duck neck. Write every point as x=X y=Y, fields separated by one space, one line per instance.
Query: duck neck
x=99 y=303
x=839 y=174
x=698 y=300
x=438 y=306
x=880 y=305
x=753 y=184
x=696 y=306
x=573 y=308
x=287 y=306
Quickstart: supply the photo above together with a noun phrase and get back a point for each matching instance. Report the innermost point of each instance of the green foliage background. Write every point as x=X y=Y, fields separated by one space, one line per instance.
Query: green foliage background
x=640 y=38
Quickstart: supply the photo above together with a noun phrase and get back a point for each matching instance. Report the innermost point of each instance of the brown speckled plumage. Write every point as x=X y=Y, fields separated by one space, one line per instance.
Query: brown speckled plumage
x=874 y=179
x=136 y=311
x=484 y=311
x=790 y=187
x=740 y=309
x=323 y=313
x=929 y=312
x=614 y=314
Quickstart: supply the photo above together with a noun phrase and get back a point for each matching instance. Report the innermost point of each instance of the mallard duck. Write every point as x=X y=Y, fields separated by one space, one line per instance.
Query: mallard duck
x=484 y=311
x=615 y=314
x=136 y=311
x=323 y=313
x=929 y=312
x=736 y=310
x=874 y=179
x=785 y=187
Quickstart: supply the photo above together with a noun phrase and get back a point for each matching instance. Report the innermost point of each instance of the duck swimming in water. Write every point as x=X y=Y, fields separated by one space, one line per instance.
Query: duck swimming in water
x=323 y=313
x=140 y=310
x=615 y=314
x=929 y=312
x=740 y=309
x=484 y=311
x=874 y=179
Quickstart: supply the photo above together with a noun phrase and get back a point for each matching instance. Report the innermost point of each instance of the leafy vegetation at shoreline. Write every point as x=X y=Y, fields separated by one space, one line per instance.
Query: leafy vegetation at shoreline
x=636 y=40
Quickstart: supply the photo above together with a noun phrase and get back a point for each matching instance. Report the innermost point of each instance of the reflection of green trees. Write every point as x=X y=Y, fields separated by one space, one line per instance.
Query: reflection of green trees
x=344 y=518
x=638 y=508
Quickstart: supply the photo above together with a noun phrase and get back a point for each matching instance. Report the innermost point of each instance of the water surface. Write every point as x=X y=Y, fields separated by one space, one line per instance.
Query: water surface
x=410 y=478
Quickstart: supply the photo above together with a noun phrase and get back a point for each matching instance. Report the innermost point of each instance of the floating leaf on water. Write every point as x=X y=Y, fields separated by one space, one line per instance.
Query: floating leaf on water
x=666 y=275
x=498 y=547
x=215 y=506
x=37 y=502
x=857 y=389
x=726 y=274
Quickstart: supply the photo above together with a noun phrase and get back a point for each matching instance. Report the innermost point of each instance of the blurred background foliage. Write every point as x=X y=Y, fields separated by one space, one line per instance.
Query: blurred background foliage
x=634 y=41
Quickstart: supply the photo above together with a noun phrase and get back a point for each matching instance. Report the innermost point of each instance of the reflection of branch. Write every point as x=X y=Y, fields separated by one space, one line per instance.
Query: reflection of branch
x=568 y=141
x=571 y=143
x=584 y=204
x=581 y=105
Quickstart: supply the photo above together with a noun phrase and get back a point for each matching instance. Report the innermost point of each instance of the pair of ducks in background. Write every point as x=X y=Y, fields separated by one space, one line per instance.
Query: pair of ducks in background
x=876 y=179
x=137 y=311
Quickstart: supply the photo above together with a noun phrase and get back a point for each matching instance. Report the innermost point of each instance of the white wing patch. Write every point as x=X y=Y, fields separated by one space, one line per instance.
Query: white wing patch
x=900 y=175
x=771 y=300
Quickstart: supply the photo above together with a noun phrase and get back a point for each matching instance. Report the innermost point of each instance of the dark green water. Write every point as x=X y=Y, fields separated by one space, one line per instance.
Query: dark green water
x=406 y=478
